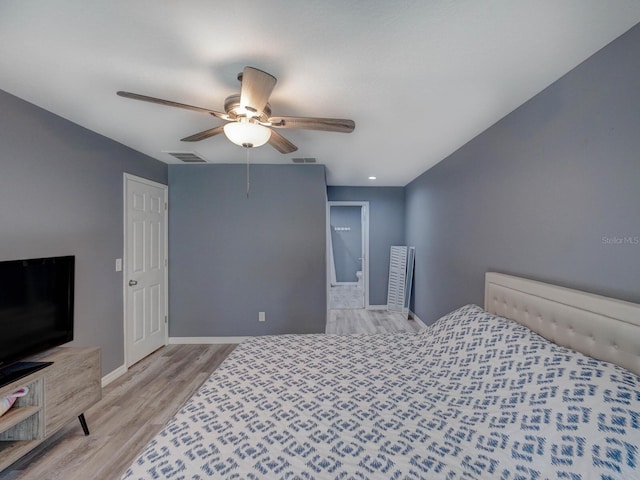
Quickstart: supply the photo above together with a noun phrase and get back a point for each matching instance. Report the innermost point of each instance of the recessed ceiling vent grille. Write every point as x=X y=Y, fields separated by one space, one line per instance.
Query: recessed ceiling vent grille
x=303 y=160
x=187 y=157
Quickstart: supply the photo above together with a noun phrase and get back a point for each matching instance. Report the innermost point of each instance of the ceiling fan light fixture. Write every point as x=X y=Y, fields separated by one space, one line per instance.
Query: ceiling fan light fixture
x=249 y=115
x=247 y=133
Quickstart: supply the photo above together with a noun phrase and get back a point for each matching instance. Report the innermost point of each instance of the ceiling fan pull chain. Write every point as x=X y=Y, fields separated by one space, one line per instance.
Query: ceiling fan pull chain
x=248 y=184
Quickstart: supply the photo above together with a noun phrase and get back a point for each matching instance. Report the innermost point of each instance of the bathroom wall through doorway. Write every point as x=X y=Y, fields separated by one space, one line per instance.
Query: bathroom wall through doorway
x=347 y=254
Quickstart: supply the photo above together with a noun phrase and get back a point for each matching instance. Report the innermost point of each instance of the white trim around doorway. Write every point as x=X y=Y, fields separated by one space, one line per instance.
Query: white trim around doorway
x=365 y=247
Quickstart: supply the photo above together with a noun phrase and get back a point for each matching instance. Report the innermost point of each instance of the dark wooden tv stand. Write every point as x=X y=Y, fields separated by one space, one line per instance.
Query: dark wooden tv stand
x=58 y=393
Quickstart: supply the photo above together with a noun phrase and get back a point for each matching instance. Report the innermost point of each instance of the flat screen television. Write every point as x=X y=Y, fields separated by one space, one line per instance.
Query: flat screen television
x=36 y=306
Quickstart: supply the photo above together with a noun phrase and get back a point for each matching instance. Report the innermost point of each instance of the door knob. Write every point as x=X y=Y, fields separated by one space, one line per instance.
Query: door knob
x=132 y=283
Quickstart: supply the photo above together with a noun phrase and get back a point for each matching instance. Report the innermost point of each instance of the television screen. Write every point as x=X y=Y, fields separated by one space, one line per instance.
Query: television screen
x=36 y=306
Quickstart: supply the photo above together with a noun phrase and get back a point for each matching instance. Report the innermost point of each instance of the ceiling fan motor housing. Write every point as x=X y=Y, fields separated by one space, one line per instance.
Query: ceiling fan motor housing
x=234 y=109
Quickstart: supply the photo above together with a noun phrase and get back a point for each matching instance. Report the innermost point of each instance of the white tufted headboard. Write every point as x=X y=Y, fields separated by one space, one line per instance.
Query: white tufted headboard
x=600 y=327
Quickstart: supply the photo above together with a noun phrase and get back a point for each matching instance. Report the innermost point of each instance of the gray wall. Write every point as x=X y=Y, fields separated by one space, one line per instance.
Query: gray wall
x=347 y=244
x=543 y=194
x=61 y=194
x=386 y=228
x=232 y=256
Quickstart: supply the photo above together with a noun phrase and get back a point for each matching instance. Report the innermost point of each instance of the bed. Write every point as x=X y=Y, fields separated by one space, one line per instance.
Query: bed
x=476 y=395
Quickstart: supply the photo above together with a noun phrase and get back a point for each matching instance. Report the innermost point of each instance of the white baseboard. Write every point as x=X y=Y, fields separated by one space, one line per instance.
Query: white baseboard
x=377 y=307
x=113 y=375
x=417 y=319
x=205 y=340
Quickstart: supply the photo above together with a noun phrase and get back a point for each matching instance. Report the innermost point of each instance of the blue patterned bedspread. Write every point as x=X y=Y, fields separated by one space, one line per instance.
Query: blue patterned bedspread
x=472 y=397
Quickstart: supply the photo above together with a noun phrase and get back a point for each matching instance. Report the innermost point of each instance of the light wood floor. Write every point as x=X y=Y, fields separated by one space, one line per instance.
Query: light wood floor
x=136 y=406
x=348 y=321
x=133 y=409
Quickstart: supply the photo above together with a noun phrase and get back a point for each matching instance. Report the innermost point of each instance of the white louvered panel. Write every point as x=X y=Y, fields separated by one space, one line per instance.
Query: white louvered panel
x=397 y=277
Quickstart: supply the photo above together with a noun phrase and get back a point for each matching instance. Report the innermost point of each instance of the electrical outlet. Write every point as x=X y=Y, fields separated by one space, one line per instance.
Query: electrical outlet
x=261 y=317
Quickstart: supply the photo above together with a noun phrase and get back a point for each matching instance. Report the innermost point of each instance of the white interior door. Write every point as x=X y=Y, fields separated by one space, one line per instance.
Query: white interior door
x=145 y=272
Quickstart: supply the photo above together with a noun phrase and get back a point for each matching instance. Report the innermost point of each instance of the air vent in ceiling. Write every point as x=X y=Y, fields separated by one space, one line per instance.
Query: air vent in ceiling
x=303 y=160
x=187 y=157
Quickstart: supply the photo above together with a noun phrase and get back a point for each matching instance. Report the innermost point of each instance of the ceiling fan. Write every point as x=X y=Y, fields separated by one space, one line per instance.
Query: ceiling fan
x=247 y=116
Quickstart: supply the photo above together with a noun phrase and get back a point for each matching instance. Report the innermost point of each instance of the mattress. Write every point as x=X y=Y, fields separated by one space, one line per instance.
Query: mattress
x=473 y=396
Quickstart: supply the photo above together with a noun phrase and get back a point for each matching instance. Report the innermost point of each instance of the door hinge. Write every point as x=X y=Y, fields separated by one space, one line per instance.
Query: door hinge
x=166 y=262
x=166 y=206
x=166 y=319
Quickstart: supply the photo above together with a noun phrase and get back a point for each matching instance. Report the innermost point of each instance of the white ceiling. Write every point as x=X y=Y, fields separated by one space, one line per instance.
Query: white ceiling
x=420 y=78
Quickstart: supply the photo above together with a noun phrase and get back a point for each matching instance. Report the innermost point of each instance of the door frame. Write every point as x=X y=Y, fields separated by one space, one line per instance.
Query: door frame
x=125 y=290
x=364 y=225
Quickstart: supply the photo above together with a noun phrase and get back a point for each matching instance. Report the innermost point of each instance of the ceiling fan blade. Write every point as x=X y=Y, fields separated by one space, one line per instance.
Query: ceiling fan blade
x=309 y=123
x=169 y=103
x=256 y=88
x=196 y=137
x=280 y=143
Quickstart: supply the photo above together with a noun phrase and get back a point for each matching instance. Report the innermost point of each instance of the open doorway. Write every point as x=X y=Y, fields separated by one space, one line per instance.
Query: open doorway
x=347 y=255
